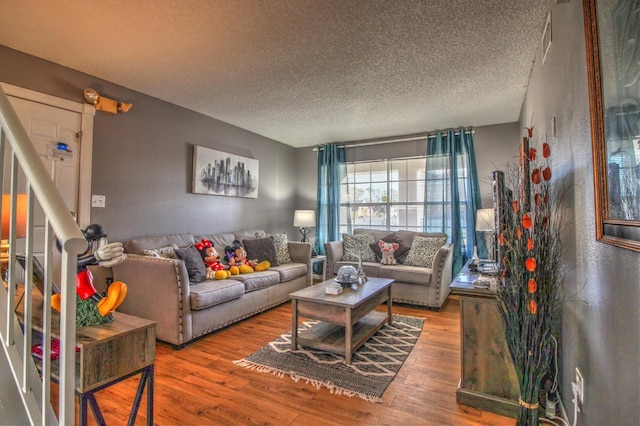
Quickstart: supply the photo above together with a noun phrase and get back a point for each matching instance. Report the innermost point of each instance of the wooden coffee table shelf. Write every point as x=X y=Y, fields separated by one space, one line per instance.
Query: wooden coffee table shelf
x=347 y=320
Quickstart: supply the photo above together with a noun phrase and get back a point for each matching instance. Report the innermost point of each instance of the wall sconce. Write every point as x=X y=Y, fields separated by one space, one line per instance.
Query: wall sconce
x=105 y=104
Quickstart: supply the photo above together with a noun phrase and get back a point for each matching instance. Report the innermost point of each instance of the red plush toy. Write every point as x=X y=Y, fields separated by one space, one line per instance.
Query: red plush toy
x=211 y=258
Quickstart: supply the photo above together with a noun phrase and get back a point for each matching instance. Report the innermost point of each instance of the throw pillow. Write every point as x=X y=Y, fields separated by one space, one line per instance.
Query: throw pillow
x=400 y=254
x=261 y=249
x=196 y=268
x=358 y=245
x=282 y=248
x=261 y=234
x=423 y=251
x=165 y=251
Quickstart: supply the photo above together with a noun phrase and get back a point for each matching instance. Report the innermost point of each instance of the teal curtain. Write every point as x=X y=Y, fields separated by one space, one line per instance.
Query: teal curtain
x=452 y=194
x=332 y=170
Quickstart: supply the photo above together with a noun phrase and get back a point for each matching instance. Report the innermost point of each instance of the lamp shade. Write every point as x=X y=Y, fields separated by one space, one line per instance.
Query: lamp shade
x=21 y=215
x=485 y=220
x=304 y=218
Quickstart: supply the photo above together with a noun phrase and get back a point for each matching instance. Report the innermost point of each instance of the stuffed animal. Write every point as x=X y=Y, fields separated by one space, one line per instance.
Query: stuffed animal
x=215 y=269
x=236 y=256
x=387 y=252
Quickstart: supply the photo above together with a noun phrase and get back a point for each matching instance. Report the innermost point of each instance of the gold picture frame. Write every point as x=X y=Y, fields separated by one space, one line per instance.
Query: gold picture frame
x=614 y=101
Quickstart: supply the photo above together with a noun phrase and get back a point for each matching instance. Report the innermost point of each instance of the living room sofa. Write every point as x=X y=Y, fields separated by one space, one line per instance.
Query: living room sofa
x=159 y=289
x=426 y=285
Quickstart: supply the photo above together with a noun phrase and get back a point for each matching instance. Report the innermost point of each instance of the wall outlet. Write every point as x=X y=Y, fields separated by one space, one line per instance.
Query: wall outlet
x=98 y=201
x=579 y=385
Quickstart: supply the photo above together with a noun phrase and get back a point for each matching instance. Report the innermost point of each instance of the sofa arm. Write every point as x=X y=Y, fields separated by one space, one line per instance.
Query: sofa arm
x=158 y=290
x=301 y=253
x=334 y=251
x=441 y=272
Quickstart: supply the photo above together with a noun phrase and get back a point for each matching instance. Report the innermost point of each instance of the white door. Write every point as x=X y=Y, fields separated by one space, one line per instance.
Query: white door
x=55 y=133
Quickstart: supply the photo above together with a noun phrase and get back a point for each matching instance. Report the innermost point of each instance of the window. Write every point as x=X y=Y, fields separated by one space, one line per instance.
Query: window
x=386 y=195
x=390 y=195
x=439 y=195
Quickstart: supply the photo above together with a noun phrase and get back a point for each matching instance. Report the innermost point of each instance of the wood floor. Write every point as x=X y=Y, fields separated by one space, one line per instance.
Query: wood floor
x=199 y=385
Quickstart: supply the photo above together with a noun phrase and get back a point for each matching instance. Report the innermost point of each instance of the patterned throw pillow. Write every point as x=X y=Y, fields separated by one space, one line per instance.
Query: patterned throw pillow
x=358 y=245
x=423 y=251
x=168 y=252
x=261 y=234
x=282 y=248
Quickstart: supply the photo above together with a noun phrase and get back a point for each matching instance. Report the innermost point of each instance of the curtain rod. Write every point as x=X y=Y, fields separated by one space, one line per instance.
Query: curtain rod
x=380 y=141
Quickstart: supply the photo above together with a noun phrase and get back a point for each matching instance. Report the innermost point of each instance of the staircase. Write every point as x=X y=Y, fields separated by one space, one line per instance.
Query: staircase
x=24 y=390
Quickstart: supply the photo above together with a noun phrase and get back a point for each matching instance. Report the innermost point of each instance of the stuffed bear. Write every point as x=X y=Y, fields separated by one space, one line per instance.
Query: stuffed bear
x=211 y=257
x=387 y=252
x=236 y=256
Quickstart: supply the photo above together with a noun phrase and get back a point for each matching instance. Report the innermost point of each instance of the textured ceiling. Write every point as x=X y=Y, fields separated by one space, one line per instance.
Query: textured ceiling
x=302 y=72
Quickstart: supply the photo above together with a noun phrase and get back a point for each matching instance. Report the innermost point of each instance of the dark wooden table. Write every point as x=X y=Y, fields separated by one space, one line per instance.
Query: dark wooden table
x=488 y=379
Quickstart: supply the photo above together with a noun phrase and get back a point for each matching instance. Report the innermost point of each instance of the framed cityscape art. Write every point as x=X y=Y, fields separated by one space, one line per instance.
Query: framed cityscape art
x=220 y=173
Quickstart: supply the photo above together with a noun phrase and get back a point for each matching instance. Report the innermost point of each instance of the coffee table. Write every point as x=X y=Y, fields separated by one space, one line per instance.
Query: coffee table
x=347 y=320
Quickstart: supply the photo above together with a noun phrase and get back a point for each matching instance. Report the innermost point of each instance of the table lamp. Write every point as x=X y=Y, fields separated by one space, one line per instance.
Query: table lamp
x=21 y=225
x=305 y=220
x=485 y=223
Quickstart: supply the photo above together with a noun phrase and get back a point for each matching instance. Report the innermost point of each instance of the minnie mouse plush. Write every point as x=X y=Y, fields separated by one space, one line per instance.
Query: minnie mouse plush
x=211 y=258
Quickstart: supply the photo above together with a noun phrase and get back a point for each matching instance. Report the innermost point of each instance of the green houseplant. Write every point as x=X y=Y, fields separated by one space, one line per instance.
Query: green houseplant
x=529 y=291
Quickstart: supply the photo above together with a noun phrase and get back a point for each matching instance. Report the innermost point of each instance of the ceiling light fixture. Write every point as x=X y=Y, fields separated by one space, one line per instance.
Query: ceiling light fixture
x=105 y=104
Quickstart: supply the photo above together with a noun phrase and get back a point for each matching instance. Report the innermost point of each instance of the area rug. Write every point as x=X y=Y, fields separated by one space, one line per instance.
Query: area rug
x=373 y=366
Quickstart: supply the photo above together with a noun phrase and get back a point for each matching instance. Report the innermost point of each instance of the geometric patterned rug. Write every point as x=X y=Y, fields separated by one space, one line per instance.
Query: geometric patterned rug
x=373 y=366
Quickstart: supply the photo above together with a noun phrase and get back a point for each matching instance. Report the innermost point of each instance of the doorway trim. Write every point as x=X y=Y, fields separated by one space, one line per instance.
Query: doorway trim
x=87 y=113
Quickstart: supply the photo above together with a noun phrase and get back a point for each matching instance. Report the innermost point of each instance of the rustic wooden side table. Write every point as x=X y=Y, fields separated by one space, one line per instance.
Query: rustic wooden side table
x=108 y=354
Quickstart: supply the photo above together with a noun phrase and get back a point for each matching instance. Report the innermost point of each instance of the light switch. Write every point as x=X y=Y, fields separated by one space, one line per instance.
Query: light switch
x=98 y=201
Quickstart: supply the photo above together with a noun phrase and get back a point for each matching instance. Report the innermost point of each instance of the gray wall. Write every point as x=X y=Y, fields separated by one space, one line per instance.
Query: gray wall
x=142 y=160
x=601 y=325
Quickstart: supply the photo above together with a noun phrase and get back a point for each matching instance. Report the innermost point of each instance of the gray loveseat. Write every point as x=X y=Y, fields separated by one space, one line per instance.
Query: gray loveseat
x=159 y=288
x=417 y=285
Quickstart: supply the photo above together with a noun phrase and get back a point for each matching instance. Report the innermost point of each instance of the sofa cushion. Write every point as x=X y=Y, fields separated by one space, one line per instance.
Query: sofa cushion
x=358 y=245
x=258 y=280
x=167 y=252
x=261 y=249
x=406 y=274
x=423 y=250
x=395 y=237
x=196 y=268
x=210 y=293
x=137 y=245
x=248 y=234
x=290 y=271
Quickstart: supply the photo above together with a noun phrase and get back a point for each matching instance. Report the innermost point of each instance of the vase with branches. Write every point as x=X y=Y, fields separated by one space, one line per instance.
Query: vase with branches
x=529 y=292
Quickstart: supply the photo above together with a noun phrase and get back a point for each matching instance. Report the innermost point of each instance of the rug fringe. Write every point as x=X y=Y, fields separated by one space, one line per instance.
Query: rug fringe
x=296 y=378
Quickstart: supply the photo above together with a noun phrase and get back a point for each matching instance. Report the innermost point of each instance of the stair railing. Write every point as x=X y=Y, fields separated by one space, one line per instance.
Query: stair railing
x=17 y=150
